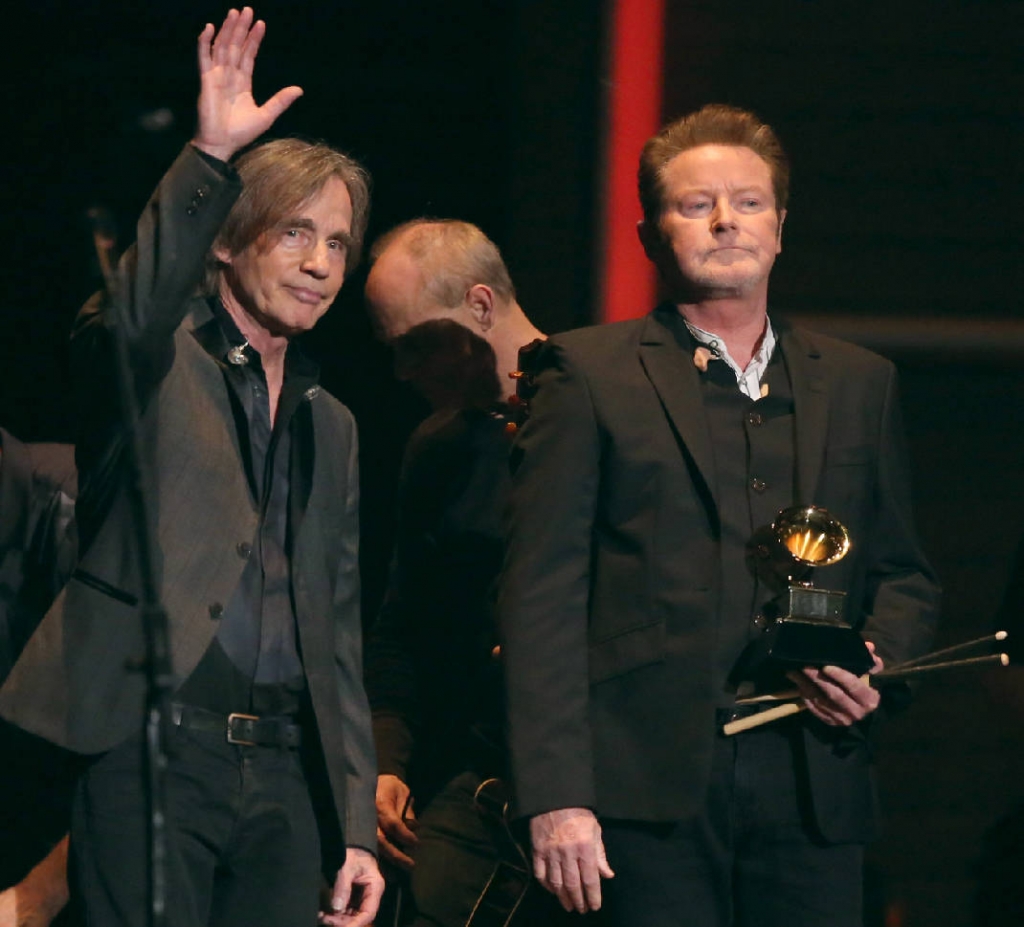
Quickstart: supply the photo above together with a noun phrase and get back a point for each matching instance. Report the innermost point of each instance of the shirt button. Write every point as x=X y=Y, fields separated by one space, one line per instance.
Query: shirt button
x=754 y=418
x=244 y=549
x=758 y=485
x=216 y=610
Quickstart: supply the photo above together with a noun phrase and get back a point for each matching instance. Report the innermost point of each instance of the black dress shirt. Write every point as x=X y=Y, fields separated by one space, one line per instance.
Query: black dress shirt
x=253 y=663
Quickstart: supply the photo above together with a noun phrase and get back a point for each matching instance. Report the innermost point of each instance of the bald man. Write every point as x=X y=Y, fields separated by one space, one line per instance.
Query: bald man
x=440 y=293
x=429 y=269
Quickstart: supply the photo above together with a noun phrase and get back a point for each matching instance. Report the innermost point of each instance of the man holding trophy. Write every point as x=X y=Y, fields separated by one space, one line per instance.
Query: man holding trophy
x=658 y=457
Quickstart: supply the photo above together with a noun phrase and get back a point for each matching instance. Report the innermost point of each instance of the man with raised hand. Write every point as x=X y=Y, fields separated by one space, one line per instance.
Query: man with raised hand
x=653 y=451
x=255 y=512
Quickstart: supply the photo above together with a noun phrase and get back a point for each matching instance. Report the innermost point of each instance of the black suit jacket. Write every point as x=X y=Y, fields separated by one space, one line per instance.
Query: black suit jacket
x=609 y=597
x=72 y=684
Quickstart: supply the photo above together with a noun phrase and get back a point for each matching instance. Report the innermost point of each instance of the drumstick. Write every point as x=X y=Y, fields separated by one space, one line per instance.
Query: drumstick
x=787 y=695
x=771 y=714
x=903 y=671
x=764 y=717
x=949 y=651
x=918 y=664
x=790 y=705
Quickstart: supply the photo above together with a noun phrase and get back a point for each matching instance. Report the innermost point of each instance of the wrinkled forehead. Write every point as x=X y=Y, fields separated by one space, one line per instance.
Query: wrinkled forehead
x=731 y=166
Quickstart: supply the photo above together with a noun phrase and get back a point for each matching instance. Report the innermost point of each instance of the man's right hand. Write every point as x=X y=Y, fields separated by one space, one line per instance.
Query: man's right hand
x=229 y=118
x=568 y=857
x=394 y=815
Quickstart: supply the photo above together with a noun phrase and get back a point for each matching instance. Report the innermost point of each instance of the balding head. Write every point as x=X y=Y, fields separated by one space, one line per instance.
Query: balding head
x=435 y=269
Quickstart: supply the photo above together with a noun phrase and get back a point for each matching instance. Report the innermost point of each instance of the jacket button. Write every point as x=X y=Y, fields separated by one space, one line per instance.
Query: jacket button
x=754 y=418
x=191 y=209
x=244 y=549
x=760 y=622
x=758 y=485
x=216 y=610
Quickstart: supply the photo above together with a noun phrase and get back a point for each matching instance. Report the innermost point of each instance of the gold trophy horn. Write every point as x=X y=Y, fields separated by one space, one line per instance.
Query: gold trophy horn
x=811 y=535
x=804 y=624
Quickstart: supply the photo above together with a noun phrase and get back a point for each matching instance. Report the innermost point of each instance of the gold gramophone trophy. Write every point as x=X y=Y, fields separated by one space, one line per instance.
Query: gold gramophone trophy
x=804 y=623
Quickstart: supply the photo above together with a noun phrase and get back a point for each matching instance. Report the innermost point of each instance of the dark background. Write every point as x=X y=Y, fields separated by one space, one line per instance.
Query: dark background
x=905 y=126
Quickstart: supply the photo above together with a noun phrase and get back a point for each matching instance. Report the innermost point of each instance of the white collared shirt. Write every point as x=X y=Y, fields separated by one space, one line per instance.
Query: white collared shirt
x=749 y=379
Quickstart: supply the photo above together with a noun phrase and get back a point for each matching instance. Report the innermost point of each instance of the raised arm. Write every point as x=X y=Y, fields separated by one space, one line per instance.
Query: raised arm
x=229 y=118
x=159 y=275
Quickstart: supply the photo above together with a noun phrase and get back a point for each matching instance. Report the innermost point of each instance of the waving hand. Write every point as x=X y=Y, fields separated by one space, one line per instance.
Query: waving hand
x=228 y=115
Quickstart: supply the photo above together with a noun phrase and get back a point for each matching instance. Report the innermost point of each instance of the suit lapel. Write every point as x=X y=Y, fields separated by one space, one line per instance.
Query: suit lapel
x=301 y=466
x=810 y=405
x=674 y=378
x=203 y=326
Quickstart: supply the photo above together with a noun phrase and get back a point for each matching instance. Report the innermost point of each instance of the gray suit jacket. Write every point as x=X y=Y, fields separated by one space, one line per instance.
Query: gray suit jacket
x=609 y=598
x=72 y=684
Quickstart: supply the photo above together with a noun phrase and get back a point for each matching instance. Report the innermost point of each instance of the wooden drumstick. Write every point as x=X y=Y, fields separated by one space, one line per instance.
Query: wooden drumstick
x=763 y=717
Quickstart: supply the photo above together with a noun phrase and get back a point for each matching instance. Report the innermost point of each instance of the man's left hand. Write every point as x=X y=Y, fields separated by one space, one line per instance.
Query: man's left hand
x=835 y=696
x=357 y=891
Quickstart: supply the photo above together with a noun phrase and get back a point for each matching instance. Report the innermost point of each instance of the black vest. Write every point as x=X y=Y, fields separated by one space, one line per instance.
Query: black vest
x=755 y=471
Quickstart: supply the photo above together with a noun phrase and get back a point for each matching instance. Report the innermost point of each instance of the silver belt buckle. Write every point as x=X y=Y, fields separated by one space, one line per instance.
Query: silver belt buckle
x=231 y=737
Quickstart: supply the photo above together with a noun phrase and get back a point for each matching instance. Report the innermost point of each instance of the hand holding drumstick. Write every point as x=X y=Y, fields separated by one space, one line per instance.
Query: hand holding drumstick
x=834 y=695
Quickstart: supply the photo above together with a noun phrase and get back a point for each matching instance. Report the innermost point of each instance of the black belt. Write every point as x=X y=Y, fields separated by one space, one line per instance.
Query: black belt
x=244 y=730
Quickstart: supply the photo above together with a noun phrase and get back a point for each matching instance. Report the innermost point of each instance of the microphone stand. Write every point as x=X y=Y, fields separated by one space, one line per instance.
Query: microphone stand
x=156 y=663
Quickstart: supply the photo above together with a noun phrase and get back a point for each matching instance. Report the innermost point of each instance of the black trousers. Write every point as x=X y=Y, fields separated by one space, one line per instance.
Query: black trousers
x=750 y=858
x=244 y=847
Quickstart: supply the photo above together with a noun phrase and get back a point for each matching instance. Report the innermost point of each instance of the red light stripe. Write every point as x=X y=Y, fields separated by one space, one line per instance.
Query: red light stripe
x=627 y=279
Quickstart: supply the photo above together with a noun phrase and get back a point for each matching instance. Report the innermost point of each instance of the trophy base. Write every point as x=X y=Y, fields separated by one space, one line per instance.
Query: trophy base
x=793 y=643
